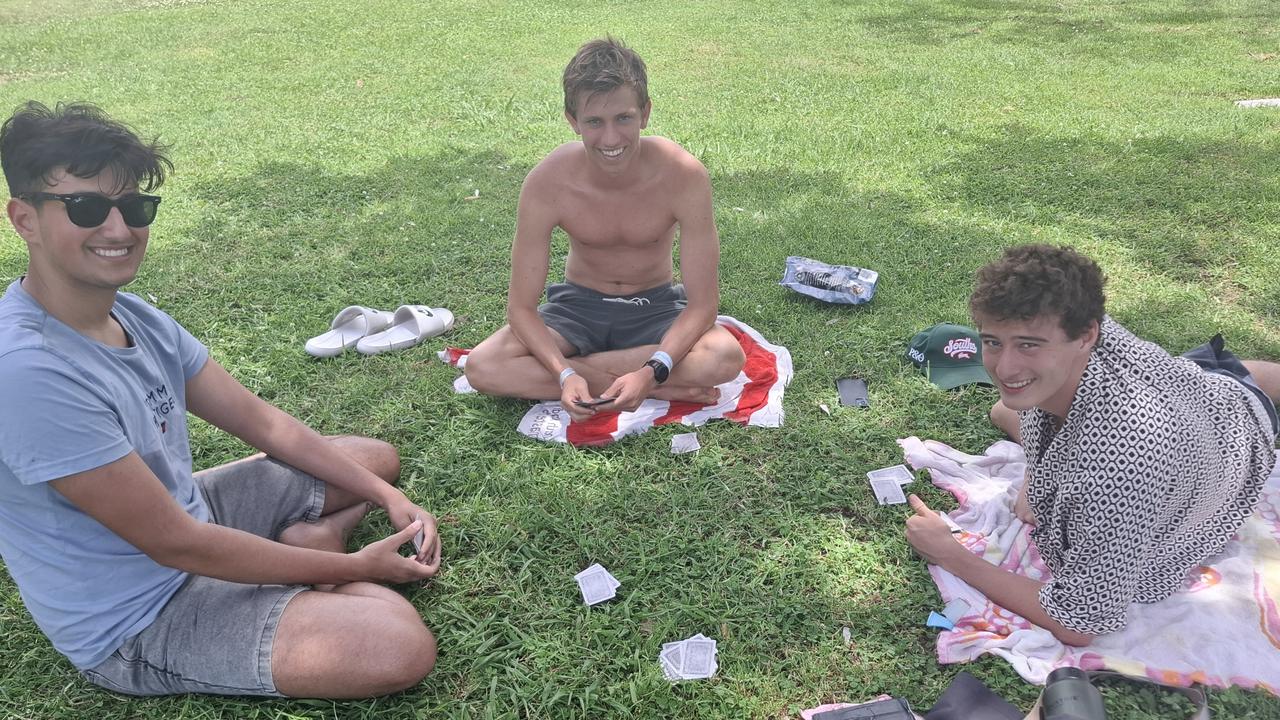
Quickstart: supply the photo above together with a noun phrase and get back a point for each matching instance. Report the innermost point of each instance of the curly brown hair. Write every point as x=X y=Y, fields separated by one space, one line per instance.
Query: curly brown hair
x=1031 y=281
x=602 y=66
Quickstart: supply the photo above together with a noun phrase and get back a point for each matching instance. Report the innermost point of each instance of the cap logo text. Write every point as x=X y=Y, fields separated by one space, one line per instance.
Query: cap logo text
x=960 y=348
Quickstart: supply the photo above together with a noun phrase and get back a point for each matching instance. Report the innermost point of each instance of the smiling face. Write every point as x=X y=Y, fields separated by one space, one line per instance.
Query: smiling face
x=610 y=124
x=1034 y=363
x=68 y=259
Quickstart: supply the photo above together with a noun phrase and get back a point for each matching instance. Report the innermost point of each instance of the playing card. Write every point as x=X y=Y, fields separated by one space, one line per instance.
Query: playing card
x=888 y=491
x=950 y=523
x=596 y=584
x=672 y=657
x=897 y=473
x=699 y=656
x=955 y=610
x=683 y=443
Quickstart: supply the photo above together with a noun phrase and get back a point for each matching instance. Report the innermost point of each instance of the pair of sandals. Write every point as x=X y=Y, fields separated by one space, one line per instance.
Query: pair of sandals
x=377 y=331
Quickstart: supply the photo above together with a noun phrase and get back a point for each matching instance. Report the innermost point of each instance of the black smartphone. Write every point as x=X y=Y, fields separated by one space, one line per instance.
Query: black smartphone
x=853 y=391
x=593 y=403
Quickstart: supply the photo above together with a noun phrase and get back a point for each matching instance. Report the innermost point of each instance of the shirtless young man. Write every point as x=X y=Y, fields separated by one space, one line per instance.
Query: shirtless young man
x=618 y=327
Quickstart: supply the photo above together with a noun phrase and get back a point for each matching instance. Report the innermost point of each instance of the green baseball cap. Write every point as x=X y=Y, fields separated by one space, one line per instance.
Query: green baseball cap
x=949 y=355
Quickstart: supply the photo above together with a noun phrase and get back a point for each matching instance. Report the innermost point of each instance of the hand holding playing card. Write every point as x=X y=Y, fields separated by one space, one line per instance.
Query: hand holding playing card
x=930 y=535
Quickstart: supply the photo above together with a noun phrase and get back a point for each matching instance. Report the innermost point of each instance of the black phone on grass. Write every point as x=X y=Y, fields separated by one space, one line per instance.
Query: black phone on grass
x=853 y=392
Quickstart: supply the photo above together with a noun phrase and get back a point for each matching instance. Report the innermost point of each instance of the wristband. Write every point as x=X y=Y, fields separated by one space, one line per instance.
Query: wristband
x=565 y=374
x=663 y=358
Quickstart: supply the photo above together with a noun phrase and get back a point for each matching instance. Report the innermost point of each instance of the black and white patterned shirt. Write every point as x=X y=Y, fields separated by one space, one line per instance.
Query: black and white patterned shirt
x=1154 y=469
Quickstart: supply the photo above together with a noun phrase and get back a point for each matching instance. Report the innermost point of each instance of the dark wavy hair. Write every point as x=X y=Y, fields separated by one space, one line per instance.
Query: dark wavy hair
x=80 y=139
x=602 y=66
x=1031 y=281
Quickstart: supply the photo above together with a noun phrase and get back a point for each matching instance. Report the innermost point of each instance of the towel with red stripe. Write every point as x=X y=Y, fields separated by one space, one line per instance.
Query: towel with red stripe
x=752 y=398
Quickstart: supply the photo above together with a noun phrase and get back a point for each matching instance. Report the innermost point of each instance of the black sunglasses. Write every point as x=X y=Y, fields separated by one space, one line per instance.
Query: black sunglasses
x=89 y=210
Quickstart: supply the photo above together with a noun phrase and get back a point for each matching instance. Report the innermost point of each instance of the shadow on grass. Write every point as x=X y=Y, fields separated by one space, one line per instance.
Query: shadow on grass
x=745 y=542
x=1190 y=211
x=1042 y=24
x=1081 y=29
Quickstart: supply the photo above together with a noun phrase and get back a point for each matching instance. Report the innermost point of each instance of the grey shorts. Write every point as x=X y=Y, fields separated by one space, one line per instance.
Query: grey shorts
x=594 y=322
x=213 y=636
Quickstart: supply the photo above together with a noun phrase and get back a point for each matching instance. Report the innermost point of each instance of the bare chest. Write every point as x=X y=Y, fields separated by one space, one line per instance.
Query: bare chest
x=635 y=221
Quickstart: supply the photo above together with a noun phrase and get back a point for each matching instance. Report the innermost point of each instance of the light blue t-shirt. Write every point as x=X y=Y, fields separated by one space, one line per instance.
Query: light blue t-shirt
x=70 y=404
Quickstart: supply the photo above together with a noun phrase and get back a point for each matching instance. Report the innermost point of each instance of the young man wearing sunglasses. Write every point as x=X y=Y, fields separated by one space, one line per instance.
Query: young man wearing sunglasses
x=617 y=330
x=151 y=579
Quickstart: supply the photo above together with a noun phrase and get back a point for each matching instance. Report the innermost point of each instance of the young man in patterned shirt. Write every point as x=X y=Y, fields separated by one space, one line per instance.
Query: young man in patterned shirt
x=1140 y=465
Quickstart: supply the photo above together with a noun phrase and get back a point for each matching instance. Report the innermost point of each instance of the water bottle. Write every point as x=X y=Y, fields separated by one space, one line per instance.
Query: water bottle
x=1068 y=695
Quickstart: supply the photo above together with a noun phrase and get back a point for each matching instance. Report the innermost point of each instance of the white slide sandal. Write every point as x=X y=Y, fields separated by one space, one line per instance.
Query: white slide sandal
x=348 y=326
x=412 y=324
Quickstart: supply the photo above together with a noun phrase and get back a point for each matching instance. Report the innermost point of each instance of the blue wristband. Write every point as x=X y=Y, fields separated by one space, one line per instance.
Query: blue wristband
x=663 y=358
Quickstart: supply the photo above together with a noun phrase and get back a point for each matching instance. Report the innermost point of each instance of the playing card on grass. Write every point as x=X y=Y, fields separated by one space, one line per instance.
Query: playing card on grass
x=685 y=442
x=693 y=658
x=897 y=473
x=887 y=491
x=596 y=584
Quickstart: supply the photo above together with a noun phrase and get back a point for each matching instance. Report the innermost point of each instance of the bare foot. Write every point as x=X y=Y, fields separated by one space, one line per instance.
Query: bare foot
x=330 y=532
x=678 y=393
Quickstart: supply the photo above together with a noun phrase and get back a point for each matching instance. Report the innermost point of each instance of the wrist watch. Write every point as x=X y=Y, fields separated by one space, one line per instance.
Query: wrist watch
x=660 y=371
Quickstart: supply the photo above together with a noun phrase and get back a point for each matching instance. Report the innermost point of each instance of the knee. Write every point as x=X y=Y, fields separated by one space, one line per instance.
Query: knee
x=729 y=359
x=414 y=656
x=478 y=370
x=405 y=650
x=380 y=457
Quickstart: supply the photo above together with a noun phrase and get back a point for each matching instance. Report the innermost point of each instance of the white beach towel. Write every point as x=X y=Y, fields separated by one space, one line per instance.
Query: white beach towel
x=1222 y=629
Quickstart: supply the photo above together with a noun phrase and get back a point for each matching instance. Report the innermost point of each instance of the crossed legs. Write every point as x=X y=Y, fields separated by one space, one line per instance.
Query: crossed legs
x=502 y=366
x=354 y=640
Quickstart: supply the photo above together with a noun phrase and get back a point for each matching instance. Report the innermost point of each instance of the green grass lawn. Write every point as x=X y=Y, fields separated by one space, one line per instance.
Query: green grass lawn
x=324 y=151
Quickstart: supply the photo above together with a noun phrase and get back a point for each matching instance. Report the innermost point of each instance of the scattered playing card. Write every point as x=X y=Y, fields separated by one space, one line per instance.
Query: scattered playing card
x=955 y=610
x=693 y=658
x=683 y=443
x=888 y=492
x=897 y=473
x=596 y=584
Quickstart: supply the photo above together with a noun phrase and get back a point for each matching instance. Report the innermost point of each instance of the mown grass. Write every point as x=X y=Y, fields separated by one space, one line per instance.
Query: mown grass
x=325 y=149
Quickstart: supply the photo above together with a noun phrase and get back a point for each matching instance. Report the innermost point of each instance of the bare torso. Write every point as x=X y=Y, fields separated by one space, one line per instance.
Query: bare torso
x=620 y=236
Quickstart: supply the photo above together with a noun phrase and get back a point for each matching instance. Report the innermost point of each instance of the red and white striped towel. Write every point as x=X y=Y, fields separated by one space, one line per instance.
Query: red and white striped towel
x=752 y=398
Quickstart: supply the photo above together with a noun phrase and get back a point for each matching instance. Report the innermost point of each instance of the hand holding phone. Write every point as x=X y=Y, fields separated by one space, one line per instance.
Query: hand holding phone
x=596 y=402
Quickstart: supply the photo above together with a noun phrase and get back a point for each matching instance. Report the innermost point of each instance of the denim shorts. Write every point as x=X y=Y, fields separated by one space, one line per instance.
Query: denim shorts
x=593 y=322
x=213 y=636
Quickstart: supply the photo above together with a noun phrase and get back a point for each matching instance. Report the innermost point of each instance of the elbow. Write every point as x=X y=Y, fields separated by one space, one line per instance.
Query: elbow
x=179 y=549
x=1072 y=638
